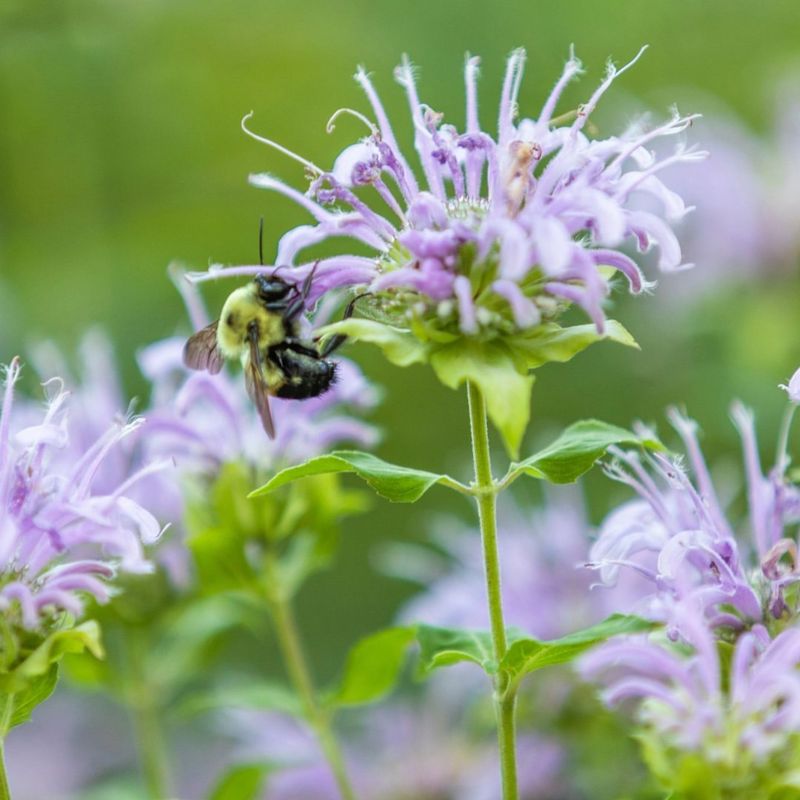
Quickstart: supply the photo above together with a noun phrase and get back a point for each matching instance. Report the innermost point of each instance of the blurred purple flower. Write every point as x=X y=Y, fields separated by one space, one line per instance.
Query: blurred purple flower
x=63 y=532
x=201 y=422
x=781 y=177
x=503 y=232
x=422 y=749
x=84 y=738
x=727 y=233
x=677 y=534
x=546 y=591
x=692 y=701
x=95 y=399
x=747 y=214
x=208 y=420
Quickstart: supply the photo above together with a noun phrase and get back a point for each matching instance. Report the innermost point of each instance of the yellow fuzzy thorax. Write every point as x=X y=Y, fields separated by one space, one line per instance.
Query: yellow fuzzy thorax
x=242 y=308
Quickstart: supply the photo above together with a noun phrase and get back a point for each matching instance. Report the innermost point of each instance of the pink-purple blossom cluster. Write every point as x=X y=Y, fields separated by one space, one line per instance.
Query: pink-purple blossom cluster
x=678 y=536
x=716 y=592
x=424 y=748
x=736 y=713
x=546 y=592
x=500 y=232
x=64 y=531
x=747 y=210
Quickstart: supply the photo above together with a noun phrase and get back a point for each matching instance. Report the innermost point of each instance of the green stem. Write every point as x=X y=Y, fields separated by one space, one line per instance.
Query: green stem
x=300 y=676
x=150 y=741
x=5 y=792
x=486 y=495
x=455 y=485
x=6 y=710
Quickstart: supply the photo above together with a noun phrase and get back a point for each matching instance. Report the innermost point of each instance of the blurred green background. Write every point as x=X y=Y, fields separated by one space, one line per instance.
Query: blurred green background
x=120 y=150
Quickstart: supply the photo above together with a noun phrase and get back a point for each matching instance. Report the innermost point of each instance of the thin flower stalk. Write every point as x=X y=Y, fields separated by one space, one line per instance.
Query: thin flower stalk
x=300 y=674
x=504 y=696
x=721 y=683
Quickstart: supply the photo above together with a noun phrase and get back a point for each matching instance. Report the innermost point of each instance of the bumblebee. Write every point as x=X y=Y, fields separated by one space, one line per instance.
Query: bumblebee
x=259 y=327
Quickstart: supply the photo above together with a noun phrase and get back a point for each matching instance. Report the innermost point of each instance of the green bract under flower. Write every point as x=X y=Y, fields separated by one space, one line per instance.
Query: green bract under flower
x=499 y=366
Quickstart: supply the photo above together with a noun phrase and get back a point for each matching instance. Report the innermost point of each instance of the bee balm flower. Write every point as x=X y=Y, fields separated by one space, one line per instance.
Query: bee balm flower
x=60 y=539
x=471 y=262
x=498 y=233
x=741 y=719
x=678 y=535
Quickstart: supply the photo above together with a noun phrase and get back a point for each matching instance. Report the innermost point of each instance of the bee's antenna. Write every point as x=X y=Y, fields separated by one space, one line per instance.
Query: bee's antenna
x=261 y=241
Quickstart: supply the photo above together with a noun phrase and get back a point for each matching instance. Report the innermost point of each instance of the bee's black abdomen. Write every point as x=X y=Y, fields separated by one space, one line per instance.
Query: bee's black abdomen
x=304 y=375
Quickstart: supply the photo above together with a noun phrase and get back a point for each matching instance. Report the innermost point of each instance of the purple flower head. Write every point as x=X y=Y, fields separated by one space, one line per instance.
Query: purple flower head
x=781 y=173
x=748 y=213
x=737 y=714
x=728 y=233
x=546 y=592
x=677 y=534
x=96 y=399
x=424 y=748
x=63 y=529
x=495 y=233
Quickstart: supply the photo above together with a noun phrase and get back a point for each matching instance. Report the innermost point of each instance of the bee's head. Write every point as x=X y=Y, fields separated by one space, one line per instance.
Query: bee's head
x=272 y=288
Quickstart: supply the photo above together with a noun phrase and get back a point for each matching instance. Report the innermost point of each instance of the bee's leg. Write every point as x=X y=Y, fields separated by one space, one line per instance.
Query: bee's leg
x=303 y=376
x=306 y=287
x=298 y=346
x=298 y=304
x=275 y=355
x=338 y=339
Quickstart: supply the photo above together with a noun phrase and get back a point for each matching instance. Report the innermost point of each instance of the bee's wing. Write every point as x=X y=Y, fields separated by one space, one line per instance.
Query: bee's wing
x=201 y=350
x=257 y=387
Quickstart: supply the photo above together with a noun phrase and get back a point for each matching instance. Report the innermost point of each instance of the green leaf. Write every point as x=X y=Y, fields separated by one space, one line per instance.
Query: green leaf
x=527 y=655
x=220 y=559
x=34 y=679
x=85 y=636
x=441 y=647
x=576 y=450
x=401 y=347
x=373 y=667
x=36 y=692
x=306 y=553
x=551 y=342
x=242 y=782
x=502 y=377
x=395 y=483
x=500 y=367
x=188 y=638
x=503 y=380
x=257 y=695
